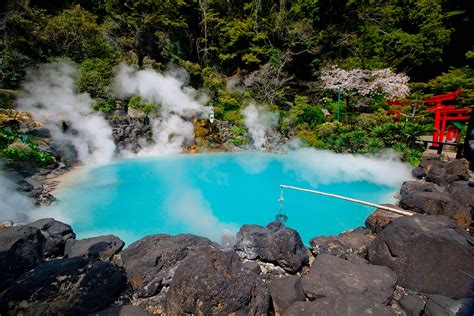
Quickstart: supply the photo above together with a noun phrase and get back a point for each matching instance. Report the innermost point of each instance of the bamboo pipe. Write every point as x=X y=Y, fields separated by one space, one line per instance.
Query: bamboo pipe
x=383 y=207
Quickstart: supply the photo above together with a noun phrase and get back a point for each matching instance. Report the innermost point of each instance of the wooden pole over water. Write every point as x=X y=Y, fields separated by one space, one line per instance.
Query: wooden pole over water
x=383 y=207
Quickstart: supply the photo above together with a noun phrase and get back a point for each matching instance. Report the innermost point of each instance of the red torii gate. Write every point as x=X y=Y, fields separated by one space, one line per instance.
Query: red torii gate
x=397 y=112
x=444 y=113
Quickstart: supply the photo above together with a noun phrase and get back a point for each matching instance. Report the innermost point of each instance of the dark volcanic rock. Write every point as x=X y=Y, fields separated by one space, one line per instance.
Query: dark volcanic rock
x=429 y=254
x=424 y=199
x=56 y=234
x=332 y=276
x=458 y=168
x=21 y=248
x=40 y=132
x=102 y=247
x=72 y=286
x=285 y=291
x=380 y=218
x=462 y=193
x=274 y=243
x=347 y=305
x=438 y=305
x=213 y=282
x=125 y=310
x=64 y=151
x=437 y=175
x=409 y=187
x=413 y=305
x=150 y=262
x=351 y=245
x=418 y=172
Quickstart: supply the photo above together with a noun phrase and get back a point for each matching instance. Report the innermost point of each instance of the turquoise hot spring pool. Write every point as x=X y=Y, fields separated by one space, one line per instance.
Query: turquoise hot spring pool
x=210 y=193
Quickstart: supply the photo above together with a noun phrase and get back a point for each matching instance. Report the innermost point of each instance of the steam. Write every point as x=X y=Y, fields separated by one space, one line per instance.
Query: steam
x=323 y=167
x=178 y=102
x=50 y=93
x=19 y=208
x=187 y=204
x=260 y=124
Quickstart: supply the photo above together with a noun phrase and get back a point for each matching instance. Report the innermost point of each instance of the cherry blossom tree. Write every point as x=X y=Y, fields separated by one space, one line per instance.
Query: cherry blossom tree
x=366 y=82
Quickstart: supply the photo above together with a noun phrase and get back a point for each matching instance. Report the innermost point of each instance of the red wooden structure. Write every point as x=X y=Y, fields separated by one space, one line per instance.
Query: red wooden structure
x=452 y=133
x=395 y=110
x=444 y=113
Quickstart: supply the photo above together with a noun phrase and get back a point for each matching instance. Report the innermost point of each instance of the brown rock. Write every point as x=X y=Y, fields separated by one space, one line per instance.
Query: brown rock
x=381 y=218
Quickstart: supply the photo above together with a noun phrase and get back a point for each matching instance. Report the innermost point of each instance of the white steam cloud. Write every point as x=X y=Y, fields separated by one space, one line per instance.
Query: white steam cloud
x=323 y=167
x=260 y=124
x=50 y=93
x=178 y=102
x=19 y=208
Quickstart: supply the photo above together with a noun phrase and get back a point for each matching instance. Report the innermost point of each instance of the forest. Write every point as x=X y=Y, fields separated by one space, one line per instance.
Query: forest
x=293 y=57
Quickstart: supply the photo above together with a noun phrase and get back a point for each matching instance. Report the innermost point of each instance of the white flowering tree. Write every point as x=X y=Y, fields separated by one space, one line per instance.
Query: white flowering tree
x=366 y=82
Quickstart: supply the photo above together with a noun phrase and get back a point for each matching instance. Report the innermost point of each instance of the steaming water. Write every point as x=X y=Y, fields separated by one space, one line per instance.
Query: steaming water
x=206 y=194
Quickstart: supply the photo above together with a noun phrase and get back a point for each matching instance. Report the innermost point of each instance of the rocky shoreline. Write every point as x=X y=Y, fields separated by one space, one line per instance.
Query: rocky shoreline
x=395 y=265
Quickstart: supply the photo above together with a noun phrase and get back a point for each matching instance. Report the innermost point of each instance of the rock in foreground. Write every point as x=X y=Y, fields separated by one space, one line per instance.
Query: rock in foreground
x=331 y=276
x=21 y=248
x=274 y=243
x=430 y=254
x=56 y=234
x=347 y=305
x=73 y=286
x=151 y=263
x=351 y=245
x=102 y=247
x=214 y=282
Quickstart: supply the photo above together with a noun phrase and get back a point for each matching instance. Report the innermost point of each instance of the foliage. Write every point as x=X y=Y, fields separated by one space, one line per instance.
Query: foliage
x=303 y=114
x=136 y=103
x=20 y=151
x=75 y=33
x=95 y=76
x=239 y=135
x=7 y=115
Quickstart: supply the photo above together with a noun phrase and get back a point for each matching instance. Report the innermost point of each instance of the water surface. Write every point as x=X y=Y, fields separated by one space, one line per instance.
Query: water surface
x=207 y=194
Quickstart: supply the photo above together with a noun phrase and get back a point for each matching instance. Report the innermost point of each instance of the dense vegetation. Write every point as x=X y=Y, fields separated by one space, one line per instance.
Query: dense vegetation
x=275 y=50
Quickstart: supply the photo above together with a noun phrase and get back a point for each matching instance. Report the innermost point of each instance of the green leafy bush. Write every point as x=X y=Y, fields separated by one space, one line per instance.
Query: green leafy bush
x=20 y=151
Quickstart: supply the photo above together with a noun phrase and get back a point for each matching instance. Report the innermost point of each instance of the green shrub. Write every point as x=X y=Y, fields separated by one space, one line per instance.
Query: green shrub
x=233 y=116
x=20 y=151
x=95 y=76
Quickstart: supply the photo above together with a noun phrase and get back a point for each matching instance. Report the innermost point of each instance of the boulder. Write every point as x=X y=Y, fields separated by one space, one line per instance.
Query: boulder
x=436 y=203
x=438 y=305
x=214 y=282
x=274 y=243
x=461 y=192
x=427 y=162
x=350 y=245
x=347 y=305
x=102 y=247
x=437 y=175
x=284 y=292
x=418 y=172
x=21 y=249
x=412 y=305
x=253 y=267
x=124 y=310
x=381 y=218
x=56 y=234
x=409 y=187
x=72 y=286
x=458 y=168
x=40 y=132
x=331 y=276
x=429 y=254
x=150 y=262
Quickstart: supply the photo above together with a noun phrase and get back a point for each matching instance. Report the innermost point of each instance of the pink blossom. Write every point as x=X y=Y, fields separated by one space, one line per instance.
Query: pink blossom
x=366 y=82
